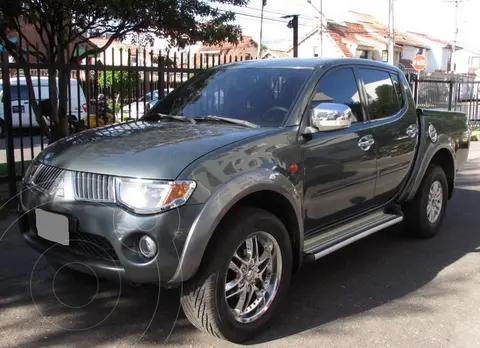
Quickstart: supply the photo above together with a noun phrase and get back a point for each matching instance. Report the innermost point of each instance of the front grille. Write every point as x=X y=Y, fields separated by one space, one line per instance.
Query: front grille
x=91 y=245
x=45 y=176
x=94 y=187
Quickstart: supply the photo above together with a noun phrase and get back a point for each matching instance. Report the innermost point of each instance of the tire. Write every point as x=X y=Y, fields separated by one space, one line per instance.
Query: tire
x=2 y=129
x=204 y=296
x=417 y=220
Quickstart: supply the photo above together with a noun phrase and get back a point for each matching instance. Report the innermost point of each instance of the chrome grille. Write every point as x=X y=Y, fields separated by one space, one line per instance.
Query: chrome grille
x=44 y=176
x=94 y=187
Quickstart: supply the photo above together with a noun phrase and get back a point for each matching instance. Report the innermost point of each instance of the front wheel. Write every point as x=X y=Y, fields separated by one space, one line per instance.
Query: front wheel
x=424 y=215
x=243 y=278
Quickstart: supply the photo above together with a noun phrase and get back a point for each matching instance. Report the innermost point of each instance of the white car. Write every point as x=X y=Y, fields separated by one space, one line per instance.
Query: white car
x=148 y=100
x=21 y=110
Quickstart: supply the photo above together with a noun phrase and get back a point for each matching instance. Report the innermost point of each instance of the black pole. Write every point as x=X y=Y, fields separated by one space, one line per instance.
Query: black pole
x=295 y=35
x=7 y=112
x=450 y=95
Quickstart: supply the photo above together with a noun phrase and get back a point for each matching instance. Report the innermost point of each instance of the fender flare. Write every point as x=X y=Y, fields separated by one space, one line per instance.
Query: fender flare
x=421 y=167
x=217 y=206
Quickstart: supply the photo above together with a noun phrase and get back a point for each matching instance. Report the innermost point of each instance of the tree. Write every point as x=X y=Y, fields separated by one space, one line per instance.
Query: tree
x=64 y=27
x=119 y=82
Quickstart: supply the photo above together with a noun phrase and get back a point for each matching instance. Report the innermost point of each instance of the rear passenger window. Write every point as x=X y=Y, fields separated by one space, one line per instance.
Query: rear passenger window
x=19 y=93
x=340 y=86
x=381 y=95
x=398 y=89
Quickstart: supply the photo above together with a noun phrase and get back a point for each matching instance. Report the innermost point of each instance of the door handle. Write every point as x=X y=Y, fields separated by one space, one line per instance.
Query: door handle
x=366 y=142
x=412 y=130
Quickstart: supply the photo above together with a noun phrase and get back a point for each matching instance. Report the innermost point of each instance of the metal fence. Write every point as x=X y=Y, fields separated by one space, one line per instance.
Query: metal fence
x=454 y=94
x=131 y=81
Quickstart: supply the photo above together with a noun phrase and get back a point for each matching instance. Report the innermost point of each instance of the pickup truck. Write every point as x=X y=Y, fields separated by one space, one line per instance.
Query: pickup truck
x=239 y=176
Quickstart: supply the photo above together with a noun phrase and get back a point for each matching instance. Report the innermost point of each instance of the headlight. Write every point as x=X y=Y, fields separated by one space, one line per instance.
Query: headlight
x=151 y=196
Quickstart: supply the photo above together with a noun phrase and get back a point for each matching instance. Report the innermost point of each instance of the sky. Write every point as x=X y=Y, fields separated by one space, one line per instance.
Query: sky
x=432 y=17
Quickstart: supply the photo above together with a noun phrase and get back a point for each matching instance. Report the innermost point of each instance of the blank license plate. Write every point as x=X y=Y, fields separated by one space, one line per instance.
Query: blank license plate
x=53 y=227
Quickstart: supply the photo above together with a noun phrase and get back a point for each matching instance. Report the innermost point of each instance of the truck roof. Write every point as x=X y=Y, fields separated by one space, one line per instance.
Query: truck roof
x=312 y=63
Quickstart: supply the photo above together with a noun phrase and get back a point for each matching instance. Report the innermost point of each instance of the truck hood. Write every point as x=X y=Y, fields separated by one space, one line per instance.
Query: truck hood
x=156 y=150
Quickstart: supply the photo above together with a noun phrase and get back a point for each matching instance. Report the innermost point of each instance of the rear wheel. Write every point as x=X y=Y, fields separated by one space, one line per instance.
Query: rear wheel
x=243 y=278
x=424 y=215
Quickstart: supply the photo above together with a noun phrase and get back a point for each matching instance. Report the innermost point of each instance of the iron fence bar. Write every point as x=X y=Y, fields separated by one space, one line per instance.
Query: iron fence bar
x=120 y=89
x=112 y=87
x=30 y=119
x=160 y=71
x=450 y=94
x=7 y=107
x=20 y=112
x=42 y=145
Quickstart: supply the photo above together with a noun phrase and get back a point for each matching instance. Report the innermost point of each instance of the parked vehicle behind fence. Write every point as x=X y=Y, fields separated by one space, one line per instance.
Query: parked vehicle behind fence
x=137 y=109
x=23 y=115
x=239 y=176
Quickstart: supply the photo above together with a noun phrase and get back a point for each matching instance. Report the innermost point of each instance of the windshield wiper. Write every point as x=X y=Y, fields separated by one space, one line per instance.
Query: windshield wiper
x=175 y=117
x=228 y=120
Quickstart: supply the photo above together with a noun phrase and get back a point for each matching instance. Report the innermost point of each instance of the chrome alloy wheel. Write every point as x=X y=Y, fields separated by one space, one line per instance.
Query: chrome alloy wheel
x=435 y=201
x=253 y=277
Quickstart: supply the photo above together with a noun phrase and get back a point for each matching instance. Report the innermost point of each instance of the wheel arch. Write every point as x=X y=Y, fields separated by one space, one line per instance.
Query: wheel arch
x=443 y=158
x=257 y=190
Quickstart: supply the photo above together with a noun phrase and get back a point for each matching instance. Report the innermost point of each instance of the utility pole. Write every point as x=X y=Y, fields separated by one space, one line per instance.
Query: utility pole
x=259 y=52
x=455 y=33
x=391 y=29
x=320 y=12
x=293 y=24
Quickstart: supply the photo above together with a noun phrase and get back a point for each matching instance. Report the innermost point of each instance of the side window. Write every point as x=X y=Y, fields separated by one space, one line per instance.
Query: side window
x=19 y=93
x=381 y=95
x=340 y=86
x=398 y=89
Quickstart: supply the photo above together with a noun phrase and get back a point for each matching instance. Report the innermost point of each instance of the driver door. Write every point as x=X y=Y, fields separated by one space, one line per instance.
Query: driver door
x=340 y=171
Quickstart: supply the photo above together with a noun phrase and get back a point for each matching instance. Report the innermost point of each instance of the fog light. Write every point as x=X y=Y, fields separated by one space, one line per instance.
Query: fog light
x=147 y=246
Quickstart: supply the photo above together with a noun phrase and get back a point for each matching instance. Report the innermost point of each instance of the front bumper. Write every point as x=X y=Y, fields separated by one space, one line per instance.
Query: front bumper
x=105 y=236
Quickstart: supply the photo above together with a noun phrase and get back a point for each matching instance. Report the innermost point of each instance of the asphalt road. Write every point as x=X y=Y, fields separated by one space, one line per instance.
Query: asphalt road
x=385 y=291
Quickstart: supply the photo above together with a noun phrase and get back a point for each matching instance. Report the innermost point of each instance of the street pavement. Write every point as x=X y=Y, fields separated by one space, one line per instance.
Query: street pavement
x=387 y=290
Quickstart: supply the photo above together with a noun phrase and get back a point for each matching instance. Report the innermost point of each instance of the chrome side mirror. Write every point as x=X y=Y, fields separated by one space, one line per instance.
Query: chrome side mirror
x=330 y=116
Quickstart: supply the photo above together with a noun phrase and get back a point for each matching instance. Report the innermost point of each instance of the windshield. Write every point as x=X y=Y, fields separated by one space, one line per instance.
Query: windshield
x=262 y=96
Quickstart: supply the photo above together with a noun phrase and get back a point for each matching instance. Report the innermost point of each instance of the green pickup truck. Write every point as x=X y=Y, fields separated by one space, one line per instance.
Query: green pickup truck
x=239 y=176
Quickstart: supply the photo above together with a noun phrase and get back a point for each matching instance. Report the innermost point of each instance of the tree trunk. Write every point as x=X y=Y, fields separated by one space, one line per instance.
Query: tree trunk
x=34 y=104
x=53 y=95
x=63 y=85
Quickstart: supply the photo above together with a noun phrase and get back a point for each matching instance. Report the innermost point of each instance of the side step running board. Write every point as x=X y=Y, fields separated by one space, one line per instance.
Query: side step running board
x=329 y=241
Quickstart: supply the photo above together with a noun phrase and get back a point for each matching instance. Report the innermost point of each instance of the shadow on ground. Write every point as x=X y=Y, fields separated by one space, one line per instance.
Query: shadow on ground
x=370 y=273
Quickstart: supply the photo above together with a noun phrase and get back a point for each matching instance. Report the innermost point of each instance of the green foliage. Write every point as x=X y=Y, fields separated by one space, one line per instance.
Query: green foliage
x=63 y=27
x=120 y=81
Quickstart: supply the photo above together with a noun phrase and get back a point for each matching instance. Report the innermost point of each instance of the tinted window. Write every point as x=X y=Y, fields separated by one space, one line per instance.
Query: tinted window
x=340 y=87
x=398 y=89
x=19 y=93
x=381 y=96
x=261 y=96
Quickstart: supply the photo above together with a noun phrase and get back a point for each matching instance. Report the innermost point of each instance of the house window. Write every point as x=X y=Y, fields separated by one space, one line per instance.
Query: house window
x=384 y=55
x=362 y=54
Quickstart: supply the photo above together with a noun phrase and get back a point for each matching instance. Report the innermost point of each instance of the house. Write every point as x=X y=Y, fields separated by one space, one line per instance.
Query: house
x=120 y=54
x=271 y=53
x=438 y=52
x=32 y=36
x=345 y=40
x=208 y=55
